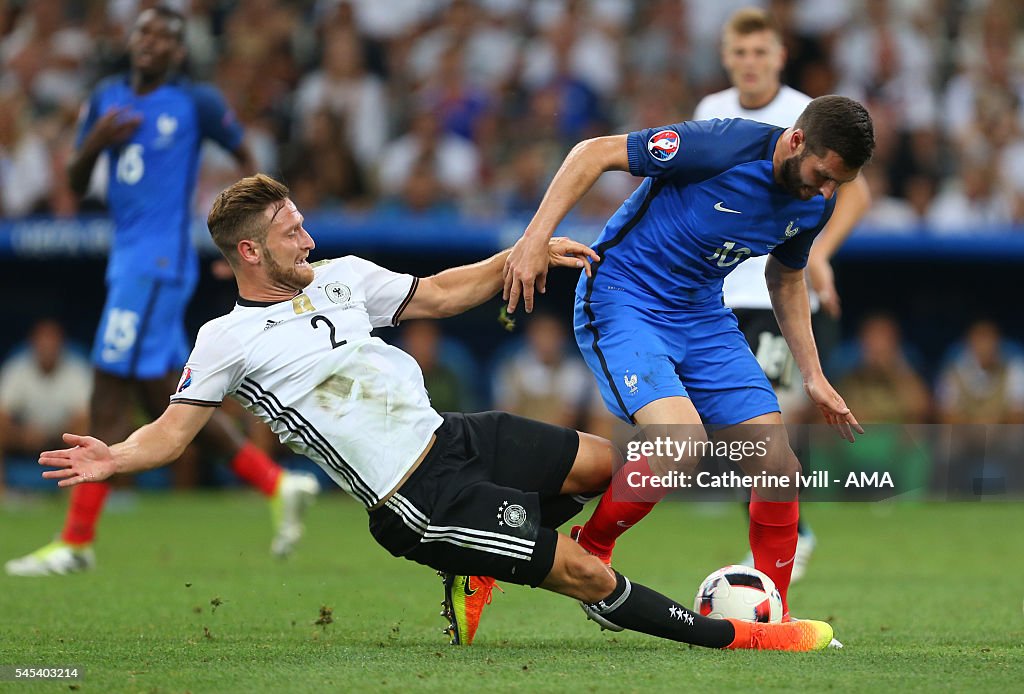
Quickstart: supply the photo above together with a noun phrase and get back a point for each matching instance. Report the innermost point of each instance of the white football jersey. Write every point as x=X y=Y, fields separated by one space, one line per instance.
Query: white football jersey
x=309 y=368
x=745 y=286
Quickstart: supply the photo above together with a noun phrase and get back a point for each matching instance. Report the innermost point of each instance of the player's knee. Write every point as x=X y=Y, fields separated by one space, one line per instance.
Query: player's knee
x=605 y=459
x=683 y=464
x=780 y=461
x=592 y=470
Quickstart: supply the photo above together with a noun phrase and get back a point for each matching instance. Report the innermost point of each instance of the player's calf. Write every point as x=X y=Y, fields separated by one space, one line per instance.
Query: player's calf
x=578 y=574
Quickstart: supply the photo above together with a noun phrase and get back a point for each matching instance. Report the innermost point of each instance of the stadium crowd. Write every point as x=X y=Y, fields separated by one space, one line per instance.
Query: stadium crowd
x=418 y=106
x=468 y=106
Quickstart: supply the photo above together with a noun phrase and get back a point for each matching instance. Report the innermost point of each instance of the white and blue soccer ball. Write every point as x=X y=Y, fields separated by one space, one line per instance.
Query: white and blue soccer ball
x=739 y=592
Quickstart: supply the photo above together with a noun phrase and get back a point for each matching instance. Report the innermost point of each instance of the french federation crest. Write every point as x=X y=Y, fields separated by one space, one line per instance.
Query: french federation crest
x=631 y=383
x=166 y=125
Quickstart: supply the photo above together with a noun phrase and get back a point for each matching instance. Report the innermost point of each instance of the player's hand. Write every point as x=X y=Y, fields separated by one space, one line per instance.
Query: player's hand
x=823 y=282
x=564 y=252
x=833 y=408
x=88 y=460
x=114 y=127
x=526 y=269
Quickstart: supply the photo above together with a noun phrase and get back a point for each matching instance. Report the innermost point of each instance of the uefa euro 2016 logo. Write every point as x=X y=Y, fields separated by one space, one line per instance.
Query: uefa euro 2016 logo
x=663 y=145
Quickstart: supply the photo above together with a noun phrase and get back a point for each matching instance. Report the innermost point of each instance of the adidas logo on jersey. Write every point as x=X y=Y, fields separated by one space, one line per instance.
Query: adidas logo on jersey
x=270 y=324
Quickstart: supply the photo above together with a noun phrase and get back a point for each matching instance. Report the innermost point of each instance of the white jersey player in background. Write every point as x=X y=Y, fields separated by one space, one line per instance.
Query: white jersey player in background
x=754 y=56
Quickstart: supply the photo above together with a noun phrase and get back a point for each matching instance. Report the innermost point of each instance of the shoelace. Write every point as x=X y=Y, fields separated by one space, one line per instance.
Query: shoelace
x=757 y=634
x=762 y=637
x=488 y=585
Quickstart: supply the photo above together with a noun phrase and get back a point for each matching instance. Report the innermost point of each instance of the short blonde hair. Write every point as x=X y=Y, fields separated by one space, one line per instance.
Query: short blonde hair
x=238 y=213
x=750 y=20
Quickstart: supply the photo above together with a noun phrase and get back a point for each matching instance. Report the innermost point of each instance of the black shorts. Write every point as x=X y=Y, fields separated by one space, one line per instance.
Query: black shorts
x=473 y=505
x=768 y=345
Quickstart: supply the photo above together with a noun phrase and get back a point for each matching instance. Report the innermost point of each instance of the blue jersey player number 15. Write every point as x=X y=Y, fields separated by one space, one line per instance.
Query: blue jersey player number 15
x=150 y=124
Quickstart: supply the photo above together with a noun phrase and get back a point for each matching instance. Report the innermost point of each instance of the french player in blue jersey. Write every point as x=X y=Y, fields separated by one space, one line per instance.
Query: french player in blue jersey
x=150 y=124
x=650 y=320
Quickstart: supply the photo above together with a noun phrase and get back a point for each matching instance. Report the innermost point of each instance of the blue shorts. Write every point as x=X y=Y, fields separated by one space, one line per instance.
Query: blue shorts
x=639 y=356
x=142 y=331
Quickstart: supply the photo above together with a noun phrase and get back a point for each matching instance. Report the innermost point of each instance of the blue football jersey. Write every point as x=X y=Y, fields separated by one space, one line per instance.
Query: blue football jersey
x=153 y=175
x=709 y=202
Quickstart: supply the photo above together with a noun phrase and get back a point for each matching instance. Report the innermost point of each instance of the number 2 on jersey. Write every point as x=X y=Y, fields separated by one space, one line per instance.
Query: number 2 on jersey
x=316 y=320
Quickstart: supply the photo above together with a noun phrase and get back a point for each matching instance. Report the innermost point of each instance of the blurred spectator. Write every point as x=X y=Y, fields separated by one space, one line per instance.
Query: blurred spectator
x=887 y=213
x=919 y=192
x=422 y=193
x=809 y=34
x=46 y=54
x=447 y=379
x=453 y=159
x=885 y=61
x=980 y=389
x=973 y=200
x=505 y=75
x=386 y=20
x=258 y=30
x=323 y=167
x=883 y=387
x=883 y=56
x=1000 y=125
x=654 y=46
x=344 y=88
x=25 y=170
x=990 y=56
x=461 y=107
x=553 y=72
x=699 y=29
x=545 y=379
x=982 y=383
x=488 y=49
x=44 y=392
x=522 y=186
x=578 y=46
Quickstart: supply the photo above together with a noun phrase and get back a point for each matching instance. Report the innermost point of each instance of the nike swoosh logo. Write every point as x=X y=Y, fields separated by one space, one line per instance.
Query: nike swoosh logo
x=780 y=564
x=720 y=206
x=623 y=524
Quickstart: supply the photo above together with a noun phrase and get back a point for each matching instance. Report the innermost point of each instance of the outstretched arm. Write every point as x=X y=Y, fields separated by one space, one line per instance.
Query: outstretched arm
x=459 y=289
x=788 y=291
x=526 y=267
x=156 y=444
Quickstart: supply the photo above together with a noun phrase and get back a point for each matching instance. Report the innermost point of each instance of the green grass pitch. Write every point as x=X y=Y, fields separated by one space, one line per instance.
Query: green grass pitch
x=926 y=597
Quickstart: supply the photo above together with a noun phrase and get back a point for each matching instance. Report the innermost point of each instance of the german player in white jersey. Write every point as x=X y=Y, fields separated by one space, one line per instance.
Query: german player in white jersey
x=754 y=56
x=469 y=495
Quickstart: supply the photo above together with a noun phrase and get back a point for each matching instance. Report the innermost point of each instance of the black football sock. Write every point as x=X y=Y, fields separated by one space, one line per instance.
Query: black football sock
x=555 y=510
x=636 y=607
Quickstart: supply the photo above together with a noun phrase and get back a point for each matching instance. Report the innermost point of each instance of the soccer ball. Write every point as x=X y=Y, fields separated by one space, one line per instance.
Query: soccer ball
x=739 y=592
